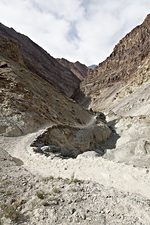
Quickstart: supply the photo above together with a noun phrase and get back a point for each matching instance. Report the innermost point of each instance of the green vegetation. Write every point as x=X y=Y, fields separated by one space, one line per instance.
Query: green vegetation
x=40 y=194
x=46 y=179
x=11 y=211
x=73 y=180
x=56 y=190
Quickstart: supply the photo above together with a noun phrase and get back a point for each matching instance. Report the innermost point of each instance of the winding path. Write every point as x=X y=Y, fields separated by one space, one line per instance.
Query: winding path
x=87 y=166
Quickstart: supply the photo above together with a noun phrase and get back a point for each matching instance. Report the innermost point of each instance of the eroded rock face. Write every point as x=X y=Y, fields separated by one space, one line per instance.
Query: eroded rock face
x=71 y=141
x=40 y=62
x=10 y=49
x=79 y=69
x=28 y=102
x=128 y=64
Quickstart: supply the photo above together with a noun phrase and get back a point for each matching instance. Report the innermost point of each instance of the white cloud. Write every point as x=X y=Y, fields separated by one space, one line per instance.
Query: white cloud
x=84 y=30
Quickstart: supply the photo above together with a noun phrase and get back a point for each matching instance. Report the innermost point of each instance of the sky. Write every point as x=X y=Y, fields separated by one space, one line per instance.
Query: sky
x=83 y=30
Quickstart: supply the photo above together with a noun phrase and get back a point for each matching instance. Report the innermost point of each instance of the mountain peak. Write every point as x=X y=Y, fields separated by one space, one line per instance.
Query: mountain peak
x=77 y=68
x=147 y=17
x=147 y=21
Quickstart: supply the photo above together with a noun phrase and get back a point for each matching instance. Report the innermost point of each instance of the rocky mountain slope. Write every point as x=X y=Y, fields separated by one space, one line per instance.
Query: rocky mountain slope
x=61 y=164
x=38 y=61
x=120 y=86
x=79 y=69
x=123 y=71
x=29 y=102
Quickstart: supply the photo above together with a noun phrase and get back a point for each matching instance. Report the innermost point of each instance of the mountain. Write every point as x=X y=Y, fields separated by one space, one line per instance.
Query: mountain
x=123 y=71
x=92 y=66
x=120 y=87
x=38 y=61
x=29 y=103
x=61 y=163
x=79 y=69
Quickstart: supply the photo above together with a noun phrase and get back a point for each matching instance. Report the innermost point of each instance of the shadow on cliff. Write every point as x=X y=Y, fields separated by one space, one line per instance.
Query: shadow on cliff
x=110 y=143
x=81 y=98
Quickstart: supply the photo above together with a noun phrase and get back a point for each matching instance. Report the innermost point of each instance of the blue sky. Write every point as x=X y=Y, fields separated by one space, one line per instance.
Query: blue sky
x=84 y=30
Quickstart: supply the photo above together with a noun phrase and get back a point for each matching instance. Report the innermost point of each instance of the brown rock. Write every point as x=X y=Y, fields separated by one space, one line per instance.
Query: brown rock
x=38 y=61
x=128 y=61
x=79 y=69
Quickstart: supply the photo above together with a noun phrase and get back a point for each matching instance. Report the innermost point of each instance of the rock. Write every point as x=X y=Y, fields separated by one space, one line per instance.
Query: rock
x=73 y=211
x=25 y=109
x=40 y=62
x=142 y=147
x=37 y=149
x=100 y=117
x=3 y=64
x=79 y=69
x=125 y=67
x=72 y=141
x=45 y=148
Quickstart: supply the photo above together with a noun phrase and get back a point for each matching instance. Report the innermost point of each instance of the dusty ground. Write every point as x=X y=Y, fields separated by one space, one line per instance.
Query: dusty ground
x=29 y=199
x=112 y=189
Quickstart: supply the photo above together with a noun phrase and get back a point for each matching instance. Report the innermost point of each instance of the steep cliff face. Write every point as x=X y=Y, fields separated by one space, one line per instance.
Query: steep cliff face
x=79 y=69
x=128 y=63
x=29 y=103
x=9 y=48
x=41 y=63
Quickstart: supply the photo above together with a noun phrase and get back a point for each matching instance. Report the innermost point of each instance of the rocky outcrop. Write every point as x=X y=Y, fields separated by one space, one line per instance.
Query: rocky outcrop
x=128 y=62
x=79 y=69
x=38 y=61
x=27 y=101
x=10 y=49
x=72 y=141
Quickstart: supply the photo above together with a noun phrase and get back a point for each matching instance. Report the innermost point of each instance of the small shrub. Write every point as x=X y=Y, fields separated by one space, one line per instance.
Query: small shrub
x=73 y=190
x=75 y=180
x=9 y=192
x=59 y=178
x=46 y=179
x=40 y=194
x=56 y=190
x=129 y=125
x=11 y=212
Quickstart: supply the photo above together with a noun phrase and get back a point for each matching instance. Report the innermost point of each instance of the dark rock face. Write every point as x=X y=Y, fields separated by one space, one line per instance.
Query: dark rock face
x=27 y=101
x=11 y=50
x=127 y=56
x=41 y=63
x=79 y=69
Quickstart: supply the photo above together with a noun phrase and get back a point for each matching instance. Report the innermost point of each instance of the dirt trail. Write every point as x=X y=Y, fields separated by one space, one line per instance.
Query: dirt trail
x=87 y=166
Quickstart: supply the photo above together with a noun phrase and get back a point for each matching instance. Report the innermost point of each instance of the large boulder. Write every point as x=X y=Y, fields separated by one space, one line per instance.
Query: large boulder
x=72 y=141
